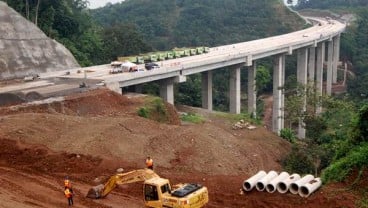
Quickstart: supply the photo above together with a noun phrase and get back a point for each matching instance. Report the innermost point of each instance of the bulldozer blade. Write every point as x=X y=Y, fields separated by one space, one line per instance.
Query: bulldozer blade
x=95 y=192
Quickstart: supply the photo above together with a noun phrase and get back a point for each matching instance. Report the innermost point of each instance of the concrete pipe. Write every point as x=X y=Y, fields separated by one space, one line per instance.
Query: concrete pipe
x=271 y=186
x=294 y=187
x=283 y=186
x=251 y=182
x=308 y=188
x=261 y=184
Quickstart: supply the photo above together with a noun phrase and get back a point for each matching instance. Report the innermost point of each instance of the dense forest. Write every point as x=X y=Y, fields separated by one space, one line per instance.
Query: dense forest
x=166 y=24
x=328 y=4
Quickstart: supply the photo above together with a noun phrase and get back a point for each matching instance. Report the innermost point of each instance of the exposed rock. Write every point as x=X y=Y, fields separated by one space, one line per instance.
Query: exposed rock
x=25 y=49
x=242 y=124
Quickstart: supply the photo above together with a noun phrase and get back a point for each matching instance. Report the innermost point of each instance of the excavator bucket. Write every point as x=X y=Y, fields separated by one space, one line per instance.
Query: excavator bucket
x=101 y=190
x=95 y=192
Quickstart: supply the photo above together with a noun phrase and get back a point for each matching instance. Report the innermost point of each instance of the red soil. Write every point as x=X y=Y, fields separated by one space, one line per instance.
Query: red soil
x=88 y=136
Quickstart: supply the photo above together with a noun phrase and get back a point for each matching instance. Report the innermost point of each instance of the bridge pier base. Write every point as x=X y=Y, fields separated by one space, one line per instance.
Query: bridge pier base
x=302 y=79
x=319 y=74
x=278 y=85
x=252 y=90
x=235 y=90
x=207 y=90
x=167 y=90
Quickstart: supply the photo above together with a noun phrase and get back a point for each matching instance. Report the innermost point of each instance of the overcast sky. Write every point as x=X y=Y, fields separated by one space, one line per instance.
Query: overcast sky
x=100 y=3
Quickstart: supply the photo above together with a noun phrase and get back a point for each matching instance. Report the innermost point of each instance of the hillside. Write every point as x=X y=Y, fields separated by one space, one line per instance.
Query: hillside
x=25 y=49
x=166 y=24
x=89 y=135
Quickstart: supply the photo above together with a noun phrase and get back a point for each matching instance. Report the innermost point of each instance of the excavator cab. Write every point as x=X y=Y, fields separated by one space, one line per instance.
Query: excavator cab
x=153 y=191
x=158 y=193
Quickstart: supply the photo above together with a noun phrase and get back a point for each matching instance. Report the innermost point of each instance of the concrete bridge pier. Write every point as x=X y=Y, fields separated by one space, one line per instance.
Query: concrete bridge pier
x=302 y=79
x=167 y=90
x=207 y=102
x=319 y=73
x=283 y=92
x=252 y=90
x=311 y=65
x=234 y=89
x=329 y=67
x=278 y=85
x=336 y=53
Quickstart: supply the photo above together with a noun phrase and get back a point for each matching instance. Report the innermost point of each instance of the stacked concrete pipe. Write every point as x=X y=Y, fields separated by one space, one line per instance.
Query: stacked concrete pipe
x=283 y=186
x=261 y=184
x=310 y=187
x=294 y=187
x=283 y=182
x=251 y=182
x=271 y=186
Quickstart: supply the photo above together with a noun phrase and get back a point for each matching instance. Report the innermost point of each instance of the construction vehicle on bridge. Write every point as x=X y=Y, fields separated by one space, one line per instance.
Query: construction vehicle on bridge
x=157 y=191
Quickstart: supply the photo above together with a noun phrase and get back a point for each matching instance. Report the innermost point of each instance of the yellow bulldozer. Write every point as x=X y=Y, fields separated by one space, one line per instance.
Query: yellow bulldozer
x=157 y=191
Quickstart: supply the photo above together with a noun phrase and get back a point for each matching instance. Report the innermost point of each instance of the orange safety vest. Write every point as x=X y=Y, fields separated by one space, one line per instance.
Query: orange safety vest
x=149 y=162
x=67 y=193
x=67 y=183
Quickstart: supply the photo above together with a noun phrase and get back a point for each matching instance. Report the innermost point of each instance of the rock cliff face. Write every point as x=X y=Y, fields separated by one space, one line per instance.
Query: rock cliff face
x=25 y=49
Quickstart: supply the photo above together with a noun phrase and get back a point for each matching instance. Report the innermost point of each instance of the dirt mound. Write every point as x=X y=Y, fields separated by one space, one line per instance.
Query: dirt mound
x=89 y=135
x=37 y=158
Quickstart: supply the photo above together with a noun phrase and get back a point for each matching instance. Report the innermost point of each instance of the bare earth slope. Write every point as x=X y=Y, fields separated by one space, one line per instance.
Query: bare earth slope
x=88 y=136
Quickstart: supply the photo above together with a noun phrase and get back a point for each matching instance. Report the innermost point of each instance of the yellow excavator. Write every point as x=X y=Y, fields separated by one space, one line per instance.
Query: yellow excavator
x=157 y=191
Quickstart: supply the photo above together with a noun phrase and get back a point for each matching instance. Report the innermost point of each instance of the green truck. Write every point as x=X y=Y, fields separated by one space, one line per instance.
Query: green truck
x=165 y=55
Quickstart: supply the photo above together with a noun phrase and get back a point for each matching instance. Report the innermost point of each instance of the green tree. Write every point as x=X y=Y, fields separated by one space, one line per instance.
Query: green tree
x=263 y=79
x=123 y=40
x=189 y=92
x=360 y=129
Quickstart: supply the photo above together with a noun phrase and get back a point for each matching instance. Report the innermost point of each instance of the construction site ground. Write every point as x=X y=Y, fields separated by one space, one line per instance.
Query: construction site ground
x=88 y=136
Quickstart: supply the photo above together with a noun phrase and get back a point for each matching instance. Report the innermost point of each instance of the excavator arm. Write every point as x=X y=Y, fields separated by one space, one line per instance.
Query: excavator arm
x=139 y=175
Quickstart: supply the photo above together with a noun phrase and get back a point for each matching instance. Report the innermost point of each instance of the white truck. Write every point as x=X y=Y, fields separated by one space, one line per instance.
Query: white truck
x=120 y=67
x=129 y=67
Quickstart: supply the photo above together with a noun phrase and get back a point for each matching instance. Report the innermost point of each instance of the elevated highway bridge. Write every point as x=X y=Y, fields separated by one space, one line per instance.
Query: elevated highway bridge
x=310 y=45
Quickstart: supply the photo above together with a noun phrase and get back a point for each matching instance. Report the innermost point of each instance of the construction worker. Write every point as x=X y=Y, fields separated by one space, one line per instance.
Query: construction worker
x=68 y=192
x=149 y=163
x=67 y=183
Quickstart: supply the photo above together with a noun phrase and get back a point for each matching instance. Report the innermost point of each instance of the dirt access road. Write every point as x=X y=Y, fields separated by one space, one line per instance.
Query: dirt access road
x=89 y=135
